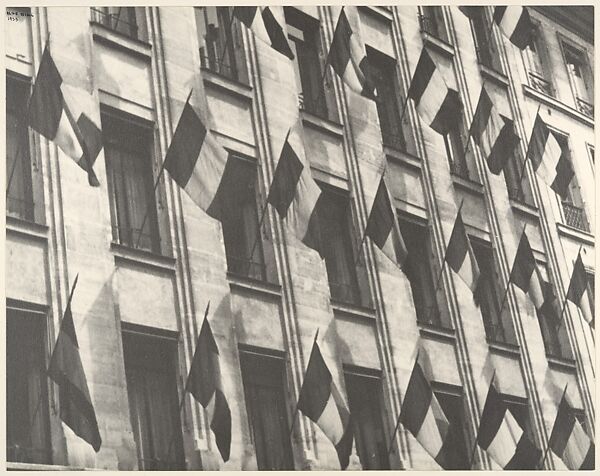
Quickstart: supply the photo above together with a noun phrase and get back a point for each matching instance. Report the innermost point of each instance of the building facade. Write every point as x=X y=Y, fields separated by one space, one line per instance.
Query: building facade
x=149 y=260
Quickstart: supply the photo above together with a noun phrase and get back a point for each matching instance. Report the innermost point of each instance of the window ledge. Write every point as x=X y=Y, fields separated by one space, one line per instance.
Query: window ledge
x=403 y=157
x=144 y=258
x=474 y=188
x=524 y=208
x=561 y=363
x=504 y=348
x=106 y=35
x=555 y=103
x=576 y=234
x=325 y=125
x=438 y=45
x=14 y=466
x=493 y=75
x=437 y=332
x=219 y=81
x=26 y=228
x=380 y=11
x=265 y=288
x=353 y=310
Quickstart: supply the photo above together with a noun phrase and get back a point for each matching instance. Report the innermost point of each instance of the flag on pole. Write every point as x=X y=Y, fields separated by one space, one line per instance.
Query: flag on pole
x=197 y=162
x=579 y=291
x=503 y=438
x=321 y=401
x=548 y=159
x=204 y=383
x=66 y=369
x=569 y=441
x=267 y=25
x=516 y=24
x=460 y=256
x=493 y=133
x=525 y=273
x=51 y=116
x=294 y=193
x=382 y=226
x=347 y=56
x=471 y=11
x=422 y=415
x=436 y=103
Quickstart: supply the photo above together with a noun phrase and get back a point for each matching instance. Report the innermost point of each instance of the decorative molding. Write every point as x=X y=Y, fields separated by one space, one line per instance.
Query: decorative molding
x=31 y=230
x=504 y=348
x=437 y=333
x=324 y=125
x=575 y=234
x=114 y=39
x=264 y=288
x=143 y=258
x=557 y=105
x=235 y=88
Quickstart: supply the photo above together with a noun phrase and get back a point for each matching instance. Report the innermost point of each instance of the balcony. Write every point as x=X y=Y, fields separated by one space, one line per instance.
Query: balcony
x=222 y=66
x=575 y=217
x=134 y=238
x=540 y=84
x=585 y=107
x=120 y=19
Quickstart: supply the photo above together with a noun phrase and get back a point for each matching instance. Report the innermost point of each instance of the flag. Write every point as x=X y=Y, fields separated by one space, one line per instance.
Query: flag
x=348 y=58
x=435 y=102
x=494 y=133
x=51 y=116
x=294 y=193
x=579 y=292
x=321 y=401
x=548 y=159
x=197 y=162
x=204 y=383
x=66 y=369
x=525 y=273
x=382 y=226
x=267 y=25
x=422 y=415
x=460 y=256
x=516 y=24
x=569 y=441
x=502 y=437
x=471 y=11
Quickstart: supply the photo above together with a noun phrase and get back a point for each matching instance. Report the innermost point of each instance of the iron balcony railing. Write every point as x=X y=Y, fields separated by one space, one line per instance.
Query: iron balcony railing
x=247 y=268
x=540 y=84
x=221 y=66
x=316 y=105
x=585 y=107
x=575 y=217
x=134 y=238
x=345 y=293
x=122 y=21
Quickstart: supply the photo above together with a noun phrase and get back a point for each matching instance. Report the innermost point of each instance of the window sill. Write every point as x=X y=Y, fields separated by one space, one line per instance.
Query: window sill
x=265 y=288
x=353 y=310
x=328 y=126
x=504 y=348
x=438 y=44
x=381 y=11
x=26 y=228
x=14 y=466
x=525 y=209
x=437 y=332
x=403 y=157
x=555 y=103
x=112 y=38
x=561 y=363
x=469 y=185
x=144 y=258
x=576 y=234
x=489 y=73
x=232 y=86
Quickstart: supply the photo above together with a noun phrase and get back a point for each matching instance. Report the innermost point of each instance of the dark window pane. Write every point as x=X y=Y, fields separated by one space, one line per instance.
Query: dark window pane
x=487 y=50
x=150 y=367
x=27 y=425
x=455 y=148
x=432 y=22
x=455 y=444
x=125 y=20
x=364 y=395
x=264 y=379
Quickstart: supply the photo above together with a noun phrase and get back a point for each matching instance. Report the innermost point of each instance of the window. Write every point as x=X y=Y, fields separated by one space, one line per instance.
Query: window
x=382 y=70
x=455 y=148
x=19 y=184
x=590 y=149
x=151 y=374
x=364 y=398
x=303 y=31
x=498 y=327
x=334 y=240
x=520 y=410
x=515 y=177
x=129 y=21
x=432 y=22
x=263 y=379
x=27 y=423
x=456 y=448
x=580 y=77
x=536 y=56
x=239 y=218
x=485 y=45
x=221 y=48
x=419 y=271
x=128 y=152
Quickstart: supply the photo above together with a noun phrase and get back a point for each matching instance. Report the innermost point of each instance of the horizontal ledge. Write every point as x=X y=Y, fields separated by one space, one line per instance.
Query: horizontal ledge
x=265 y=288
x=558 y=105
x=574 y=233
x=35 y=231
x=142 y=258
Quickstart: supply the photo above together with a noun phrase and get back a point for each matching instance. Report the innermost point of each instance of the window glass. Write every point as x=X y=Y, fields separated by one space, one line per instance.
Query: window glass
x=129 y=21
x=432 y=22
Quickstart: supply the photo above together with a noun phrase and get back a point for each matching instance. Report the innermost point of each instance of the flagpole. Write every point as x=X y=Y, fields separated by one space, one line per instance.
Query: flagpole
x=229 y=38
x=509 y=278
x=258 y=235
x=522 y=173
x=472 y=458
x=157 y=181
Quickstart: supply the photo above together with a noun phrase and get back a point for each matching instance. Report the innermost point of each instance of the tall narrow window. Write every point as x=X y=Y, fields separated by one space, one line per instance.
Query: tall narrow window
x=537 y=63
x=364 y=398
x=264 y=382
x=128 y=150
x=432 y=22
x=455 y=147
x=221 y=48
x=497 y=328
x=485 y=45
x=240 y=220
x=27 y=424
x=383 y=73
x=151 y=370
x=303 y=31
x=129 y=21
x=419 y=270
x=580 y=77
x=456 y=448
x=515 y=177
x=336 y=245
x=19 y=185
x=520 y=410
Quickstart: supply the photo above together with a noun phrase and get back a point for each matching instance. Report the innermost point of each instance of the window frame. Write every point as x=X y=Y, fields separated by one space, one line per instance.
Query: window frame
x=587 y=73
x=491 y=44
x=440 y=31
x=136 y=16
x=541 y=81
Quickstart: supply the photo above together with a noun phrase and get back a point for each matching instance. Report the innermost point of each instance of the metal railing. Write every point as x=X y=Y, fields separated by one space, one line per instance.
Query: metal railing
x=247 y=268
x=222 y=66
x=20 y=208
x=120 y=22
x=318 y=108
x=575 y=216
x=585 y=107
x=345 y=293
x=132 y=238
x=27 y=454
x=540 y=84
